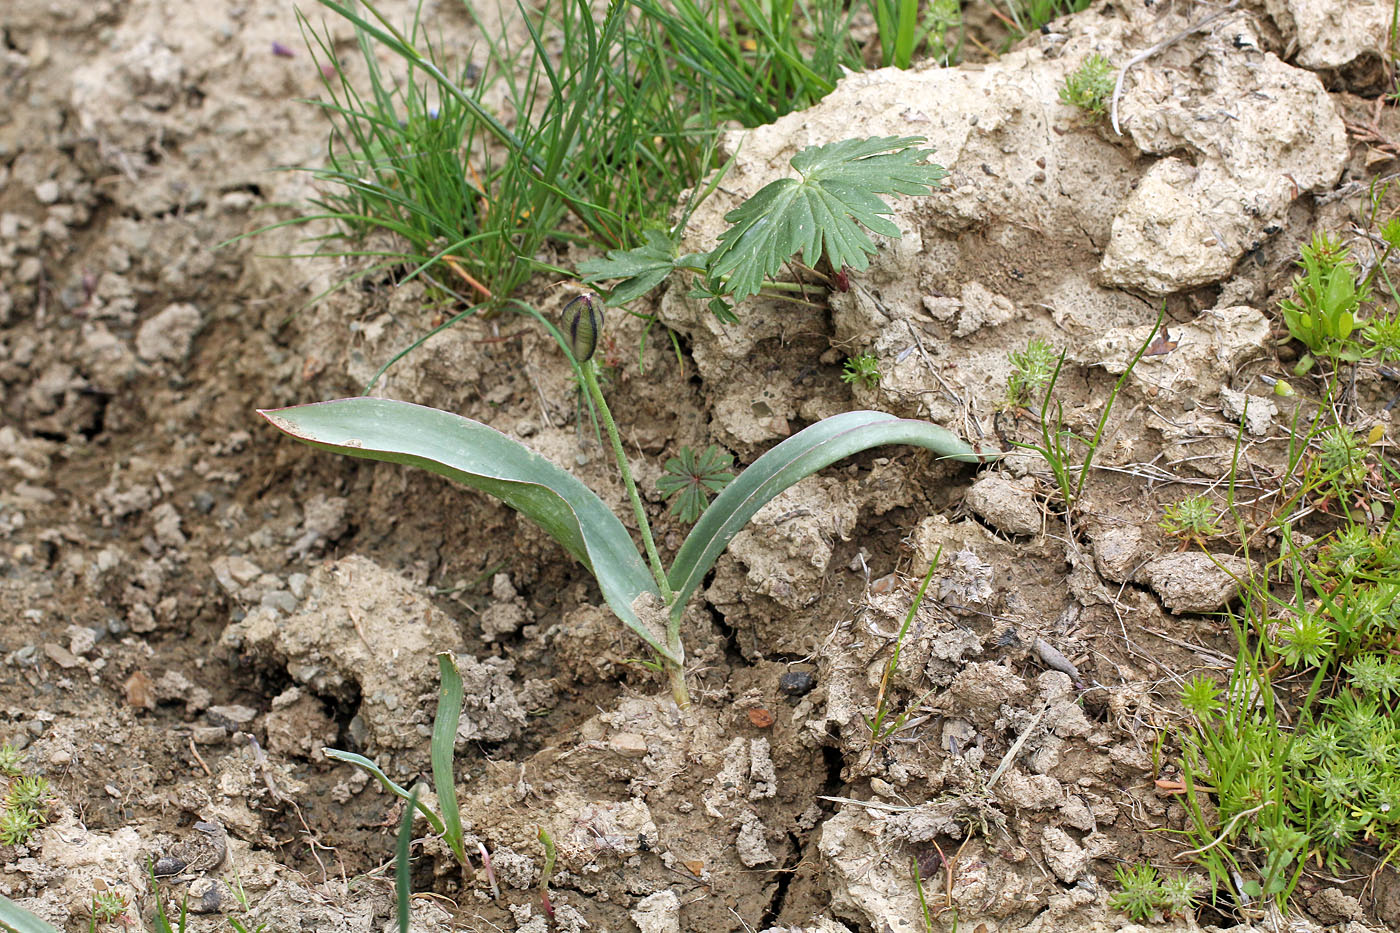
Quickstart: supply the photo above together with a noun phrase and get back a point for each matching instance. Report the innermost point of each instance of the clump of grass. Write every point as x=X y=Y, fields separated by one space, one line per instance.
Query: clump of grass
x=1089 y=86
x=862 y=370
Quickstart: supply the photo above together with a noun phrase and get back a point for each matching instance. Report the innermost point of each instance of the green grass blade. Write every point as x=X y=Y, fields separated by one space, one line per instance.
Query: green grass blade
x=402 y=881
x=444 y=750
x=906 y=20
x=360 y=761
x=15 y=919
x=799 y=456
x=481 y=457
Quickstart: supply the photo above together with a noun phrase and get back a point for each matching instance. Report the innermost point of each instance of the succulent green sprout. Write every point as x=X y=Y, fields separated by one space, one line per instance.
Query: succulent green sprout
x=28 y=793
x=1190 y=519
x=10 y=758
x=16 y=826
x=1089 y=86
x=108 y=905
x=1141 y=891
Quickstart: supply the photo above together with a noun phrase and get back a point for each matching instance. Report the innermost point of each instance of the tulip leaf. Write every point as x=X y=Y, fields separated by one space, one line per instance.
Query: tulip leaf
x=485 y=459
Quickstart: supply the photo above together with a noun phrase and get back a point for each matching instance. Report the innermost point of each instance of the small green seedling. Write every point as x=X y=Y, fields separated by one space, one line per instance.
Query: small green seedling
x=10 y=758
x=1031 y=371
x=16 y=826
x=1342 y=460
x=1141 y=893
x=689 y=480
x=886 y=722
x=648 y=599
x=442 y=747
x=1056 y=437
x=1138 y=890
x=1089 y=86
x=1327 y=297
x=862 y=370
x=28 y=793
x=547 y=872
x=108 y=906
x=1190 y=520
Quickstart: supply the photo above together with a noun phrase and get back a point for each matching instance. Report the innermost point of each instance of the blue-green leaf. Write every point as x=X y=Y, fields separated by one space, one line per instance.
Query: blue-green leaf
x=801 y=455
x=481 y=457
x=15 y=919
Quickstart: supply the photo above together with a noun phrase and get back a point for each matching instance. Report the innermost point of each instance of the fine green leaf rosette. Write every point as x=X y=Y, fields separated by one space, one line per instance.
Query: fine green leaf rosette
x=481 y=457
x=801 y=455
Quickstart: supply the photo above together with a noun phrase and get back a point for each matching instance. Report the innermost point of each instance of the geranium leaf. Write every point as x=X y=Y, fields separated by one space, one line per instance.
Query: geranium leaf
x=826 y=213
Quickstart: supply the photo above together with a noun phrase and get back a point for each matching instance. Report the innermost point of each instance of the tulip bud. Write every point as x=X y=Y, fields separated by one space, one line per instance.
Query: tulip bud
x=582 y=323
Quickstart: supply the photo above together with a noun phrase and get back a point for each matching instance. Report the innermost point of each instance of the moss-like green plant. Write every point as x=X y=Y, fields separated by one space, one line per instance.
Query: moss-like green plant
x=1191 y=519
x=28 y=793
x=1089 y=86
x=1139 y=891
x=1031 y=371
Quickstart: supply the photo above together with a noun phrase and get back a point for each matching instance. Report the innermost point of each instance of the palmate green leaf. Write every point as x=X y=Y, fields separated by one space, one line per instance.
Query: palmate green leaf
x=694 y=478
x=801 y=455
x=823 y=213
x=481 y=457
x=640 y=269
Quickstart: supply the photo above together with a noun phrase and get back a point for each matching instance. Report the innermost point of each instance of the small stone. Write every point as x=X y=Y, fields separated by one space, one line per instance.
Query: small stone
x=281 y=600
x=658 y=913
x=297 y=584
x=206 y=896
x=628 y=744
x=1256 y=412
x=797 y=683
x=1006 y=504
x=140 y=691
x=231 y=717
x=170 y=334
x=1195 y=582
x=46 y=192
x=61 y=656
x=81 y=639
x=234 y=572
x=1119 y=551
x=208 y=735
x=1066 y=858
